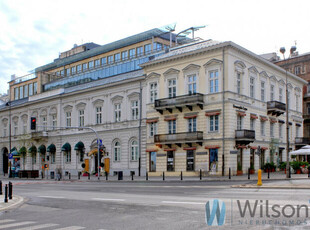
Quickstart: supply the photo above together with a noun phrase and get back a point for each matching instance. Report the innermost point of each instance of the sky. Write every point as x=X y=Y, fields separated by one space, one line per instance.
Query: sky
x=34 y=32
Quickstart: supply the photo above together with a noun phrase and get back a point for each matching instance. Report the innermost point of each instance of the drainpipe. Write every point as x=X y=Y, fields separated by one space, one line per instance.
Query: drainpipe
x=223 y=108
x=140 y=122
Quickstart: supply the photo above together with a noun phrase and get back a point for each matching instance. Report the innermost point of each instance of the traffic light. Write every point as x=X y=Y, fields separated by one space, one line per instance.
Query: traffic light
x=33 y=122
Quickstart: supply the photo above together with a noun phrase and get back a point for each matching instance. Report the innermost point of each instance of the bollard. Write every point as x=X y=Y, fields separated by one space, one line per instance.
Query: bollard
x=200 y=176
x=41 y=174
x=163 y=175
x=69 y=176
x=259 y=178
x=147 y=176
x=289 y=172
x=229 y=174
x=6 y=194
x=268 y=173
x=79 y=175
x=88 y=176
x=106 y=175
x=131 y=175
x=249 y=174
x=10 y=190
x=0 y=187
x=181 y=175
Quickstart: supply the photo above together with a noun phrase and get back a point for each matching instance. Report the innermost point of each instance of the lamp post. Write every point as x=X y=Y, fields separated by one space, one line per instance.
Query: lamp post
x=282 y=50
x=10 y=137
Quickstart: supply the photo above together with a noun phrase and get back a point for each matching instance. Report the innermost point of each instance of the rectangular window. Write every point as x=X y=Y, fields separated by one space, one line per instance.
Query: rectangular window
x=172 y=90
x=252 y=87
x=191 y=84
x=16 y=90
x=68 y=157
x=110 y=59
x=44 y=123
x=172 y=127
x=98 y=115
x=97 y=63
x=81 y=118
x=62 y=73
x=103 y=61
x=15 y=128
x=68 y=119
x=271 y=129
x=85 y=67
x=297 y=70
x=190 y=160
x=252 y=124
x=271 y=92
x=79 y=68
x=91 y=64
x=54 y=121
x=192 y=125
x=262 y=128
x=73 y=70
x=147 y=48
x=157 y=46
x=124 y=55
x=238 y=83
x=68 y=72
x=30 y=89
x=24 y=128
x=132 y=53
x=280 y=95
x=4 y=131
x=239 y=122
x=117 y=112
x=153 y=91
x=214 y=81
x=139 y=51
x=25 y=90
x=21 y=92
x=262 y=91
x=134 y=110
x=280 y=130
x=53 y=158
x=35 y=88
x=297 y=102
x=117 y=57
x=214 y=123
x=153 y=129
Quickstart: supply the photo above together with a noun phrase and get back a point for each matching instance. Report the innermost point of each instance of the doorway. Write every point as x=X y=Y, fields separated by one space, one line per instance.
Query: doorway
x=152 y=162
x=190 y=160
x=5 y=160
x=239 y=159
x=252 y=158
x=213 y=159
x=262 y=159
x=170 y=161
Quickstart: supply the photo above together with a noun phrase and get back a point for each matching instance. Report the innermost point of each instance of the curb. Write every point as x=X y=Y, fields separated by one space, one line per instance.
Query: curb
x=8 y=205
x=251 y=186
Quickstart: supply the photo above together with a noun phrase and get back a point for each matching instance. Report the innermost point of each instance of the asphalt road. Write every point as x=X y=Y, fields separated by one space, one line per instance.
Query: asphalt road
x=152 y=205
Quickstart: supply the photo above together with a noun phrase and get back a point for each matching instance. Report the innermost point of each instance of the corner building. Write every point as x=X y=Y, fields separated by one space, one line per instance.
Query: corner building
x=212 y=106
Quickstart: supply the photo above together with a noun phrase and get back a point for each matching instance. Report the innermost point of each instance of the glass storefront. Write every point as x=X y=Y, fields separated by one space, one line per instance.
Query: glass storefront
x=170 y=161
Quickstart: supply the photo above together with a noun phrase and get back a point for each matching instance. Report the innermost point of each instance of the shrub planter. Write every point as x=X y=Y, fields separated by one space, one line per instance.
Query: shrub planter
x=252 y=171
x=239 y=173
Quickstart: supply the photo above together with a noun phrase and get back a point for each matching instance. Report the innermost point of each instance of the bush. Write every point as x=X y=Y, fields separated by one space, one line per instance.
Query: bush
x=282 y=165
x=295 y=165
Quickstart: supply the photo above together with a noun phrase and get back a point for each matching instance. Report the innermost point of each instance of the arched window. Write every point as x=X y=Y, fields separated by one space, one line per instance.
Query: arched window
x=117 y=151
x=134 y=150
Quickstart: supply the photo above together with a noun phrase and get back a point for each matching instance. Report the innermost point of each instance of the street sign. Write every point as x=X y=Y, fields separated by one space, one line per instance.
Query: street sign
x=100 y=142
x=10 y=156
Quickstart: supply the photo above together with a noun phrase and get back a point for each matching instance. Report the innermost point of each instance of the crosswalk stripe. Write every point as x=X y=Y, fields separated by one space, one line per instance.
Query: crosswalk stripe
x=5 y=221
x=70 y=228
x=38 y=226
x=16 y=224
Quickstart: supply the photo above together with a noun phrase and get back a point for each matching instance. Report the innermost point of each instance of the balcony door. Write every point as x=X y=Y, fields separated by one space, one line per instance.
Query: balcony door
x=170 y=161
x=152 y=162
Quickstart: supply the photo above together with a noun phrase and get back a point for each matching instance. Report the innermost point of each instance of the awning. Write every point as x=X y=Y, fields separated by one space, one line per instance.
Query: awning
x=92 y=152
x=51 y=148
x=151 y=120
x=42 y=149
x=241 y=114
x=213 y=113
x=66 y=147
x=32 y=149
x=253 y=116
x=15 y=153
x=151 y=150
x=212 y=147
x=23 y=150
x=79 y=146
x=13 y=149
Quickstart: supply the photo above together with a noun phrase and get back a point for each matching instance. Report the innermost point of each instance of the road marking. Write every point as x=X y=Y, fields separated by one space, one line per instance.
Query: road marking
x=54 y=197
x=106 y=199
x=16 y=224
x=5 y=221
x=38 y=226
x=70 y=228
x=181 y=202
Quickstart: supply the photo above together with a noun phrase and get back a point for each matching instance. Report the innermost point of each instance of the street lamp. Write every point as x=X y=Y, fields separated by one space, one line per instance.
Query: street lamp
x=282 y=50
x=10 y=137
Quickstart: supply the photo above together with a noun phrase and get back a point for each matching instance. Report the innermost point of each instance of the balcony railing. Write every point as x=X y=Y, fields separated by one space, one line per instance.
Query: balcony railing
x=179 y=101
x=244 y=136
x=179 y=137
x=276 y=108
x=302 y=140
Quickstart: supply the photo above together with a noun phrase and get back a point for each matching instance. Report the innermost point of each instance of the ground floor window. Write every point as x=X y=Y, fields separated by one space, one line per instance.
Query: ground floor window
x=239 y=159
x=213 y=159
x=190 y=160
x=170 y=161
x=68 y=156
x=280 y=155
x=152 y=161
x=34 y=158
x=252 y=158
x=53 y=158
x=262 y=159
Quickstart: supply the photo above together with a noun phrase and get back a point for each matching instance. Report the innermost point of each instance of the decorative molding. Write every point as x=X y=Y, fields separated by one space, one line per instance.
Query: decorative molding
x=171 y=71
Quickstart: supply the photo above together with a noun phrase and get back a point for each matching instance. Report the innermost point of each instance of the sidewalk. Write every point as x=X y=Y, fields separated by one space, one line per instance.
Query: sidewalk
x=16 y=200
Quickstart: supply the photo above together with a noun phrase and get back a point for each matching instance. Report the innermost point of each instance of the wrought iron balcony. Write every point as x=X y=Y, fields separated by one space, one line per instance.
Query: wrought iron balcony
x=178 y=102
x=244 y=136
x=302 y=140
x=276 y=108
x=175 y=138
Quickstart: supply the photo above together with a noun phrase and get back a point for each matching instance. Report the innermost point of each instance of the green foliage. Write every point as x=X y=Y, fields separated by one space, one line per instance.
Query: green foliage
x=251 y=166
x=282 y=165
x=239 y=166
x=269 y=166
